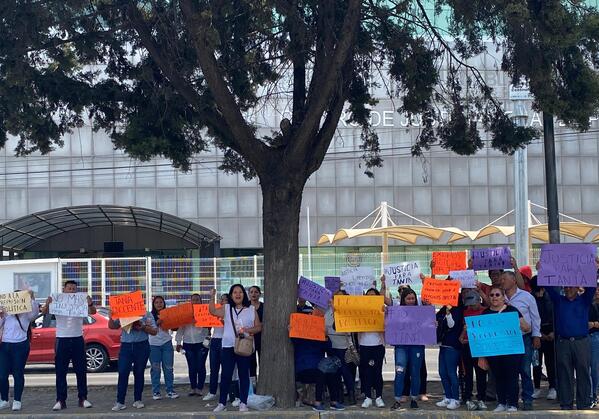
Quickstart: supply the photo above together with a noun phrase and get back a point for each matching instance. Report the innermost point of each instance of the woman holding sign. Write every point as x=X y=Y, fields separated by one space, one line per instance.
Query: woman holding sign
x=449 y=328
x=372 y=353
x=14 y=350
x=215 y=352
x=241 y=322
x=162 y=354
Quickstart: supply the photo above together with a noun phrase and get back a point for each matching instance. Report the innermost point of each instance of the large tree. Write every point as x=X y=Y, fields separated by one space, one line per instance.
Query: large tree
x=173 y=77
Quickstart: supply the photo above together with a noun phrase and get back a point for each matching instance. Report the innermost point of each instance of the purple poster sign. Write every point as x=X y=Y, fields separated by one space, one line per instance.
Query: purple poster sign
x=332 y=283
x=568 y=265
x=410 y=325
x=316 y=294
x=491 y=258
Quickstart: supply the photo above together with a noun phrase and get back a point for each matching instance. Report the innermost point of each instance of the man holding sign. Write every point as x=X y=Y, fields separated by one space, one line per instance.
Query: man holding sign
x=70 y=347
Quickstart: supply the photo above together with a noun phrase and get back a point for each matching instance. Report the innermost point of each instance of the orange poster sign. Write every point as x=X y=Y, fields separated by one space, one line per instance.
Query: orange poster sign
x=176 y=316
x=440 y=291
x=126 y=305
x=306 y=326
x=448 y=261
x=204 y=318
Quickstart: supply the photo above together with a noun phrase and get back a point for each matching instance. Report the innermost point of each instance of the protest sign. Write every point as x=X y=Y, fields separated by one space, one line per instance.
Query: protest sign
x=69 y=304
x=176 y=316
x=306 y=326
x=491 y=258
x=16 y=302
x=440 y=291
x=204 y=318
x=332 y=283
x=357 y=279
x=130 y=304
x=405 y=273
x=466 y=277
x=359 y=313
x=494 y=334
x=410 y=325
x=311 y=291
x=570 y=265
x=127 y=322
x=448 y=261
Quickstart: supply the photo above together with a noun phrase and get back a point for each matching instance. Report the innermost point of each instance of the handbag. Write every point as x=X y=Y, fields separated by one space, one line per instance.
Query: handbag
x=244 y=345
x=351 y=353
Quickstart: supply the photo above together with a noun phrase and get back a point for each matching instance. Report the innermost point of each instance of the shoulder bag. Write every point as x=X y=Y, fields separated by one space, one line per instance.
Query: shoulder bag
x=351 y=353
x=244 y=345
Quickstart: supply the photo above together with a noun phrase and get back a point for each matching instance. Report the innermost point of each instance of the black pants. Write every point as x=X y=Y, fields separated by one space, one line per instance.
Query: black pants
x=255 y=359
x=574 y=355
x=470 y=369
x=423 y=377
x=506 y=368
x=67 y=350
x=315 y=376
x=371 y=363
x=547 y=353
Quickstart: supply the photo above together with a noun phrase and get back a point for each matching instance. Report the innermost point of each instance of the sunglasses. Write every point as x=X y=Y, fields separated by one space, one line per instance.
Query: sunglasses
x=496 y=294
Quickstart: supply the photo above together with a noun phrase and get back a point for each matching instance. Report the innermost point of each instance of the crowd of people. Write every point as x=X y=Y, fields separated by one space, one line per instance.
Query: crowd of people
x=559 y=327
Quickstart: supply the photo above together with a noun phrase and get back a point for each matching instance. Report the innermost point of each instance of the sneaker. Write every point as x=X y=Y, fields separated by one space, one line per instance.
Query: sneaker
x=86 y=404
x=236 y=402
x=318 y=407
x=500 y=408
x=208 y=397
x=138 y=404
x=3 y=404
x=16 y=405
x=443 y=403
x=511 y=409
x=367 y=403
x=172 y=395
x=156 y=396
x=118 y=406
x=219 y=407
x=470 y=405
x=453 y=405
x=243 y=407
x=481 y=405
x=337 y=406
x=413 y=404
x=59 y=405
x=551 y=394
x=379 y=402
x=396 y=406
x=536 y=394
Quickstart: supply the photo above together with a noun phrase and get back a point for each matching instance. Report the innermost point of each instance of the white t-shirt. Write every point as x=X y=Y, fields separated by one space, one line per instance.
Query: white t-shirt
x=371 y=339
x=244 y=318
x=217 y=332
x=160 y=338
x=69 y=327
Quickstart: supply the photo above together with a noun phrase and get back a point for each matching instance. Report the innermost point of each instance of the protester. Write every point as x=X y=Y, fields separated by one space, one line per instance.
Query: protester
x=215 y=352
x=133 y=355
x=304 y=307
x=505 y=368
x=195 y=342
x=594 y=337
x=70 y=347
x=254 y=294
x=240 y=320
x=449 y=328
x=14 y=351
x=162 y=354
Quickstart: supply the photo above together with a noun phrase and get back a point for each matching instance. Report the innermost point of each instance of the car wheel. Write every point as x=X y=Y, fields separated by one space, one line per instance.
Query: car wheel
x=97 y=358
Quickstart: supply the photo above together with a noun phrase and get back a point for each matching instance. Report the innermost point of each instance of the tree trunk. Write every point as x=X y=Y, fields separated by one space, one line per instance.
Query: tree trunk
x=282 y=197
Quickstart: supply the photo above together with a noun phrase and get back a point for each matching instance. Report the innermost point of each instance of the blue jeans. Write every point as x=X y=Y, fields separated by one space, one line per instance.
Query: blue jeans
x=408 y=358
x=448 y=370
x=196 y=356
x=67 y=350
x=132 y=356
x=349 y=378
x=526 y=370
x=215 y=348
x=229 y=359
x=594 y=364
x=164 y=356
x=13 y=357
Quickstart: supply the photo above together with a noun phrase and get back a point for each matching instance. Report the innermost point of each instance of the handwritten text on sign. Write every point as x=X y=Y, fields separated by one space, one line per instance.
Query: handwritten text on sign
x=491 y=258
x=332 y=283
x=405 y=273
x=356 y=313
x=69 y=304
x=440 y=291
x=448 y=261
x=410 y=325
x=494 y=334
x=571 y=264
x=16 y=302
x=306 y=326
x=311 y=291
x=127 y=305
x=357 y=279
x=467 y=277
x=176 y=316
x=204 y=318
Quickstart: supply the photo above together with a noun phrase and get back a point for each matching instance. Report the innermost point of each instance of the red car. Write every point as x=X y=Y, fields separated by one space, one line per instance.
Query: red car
x=101 y=343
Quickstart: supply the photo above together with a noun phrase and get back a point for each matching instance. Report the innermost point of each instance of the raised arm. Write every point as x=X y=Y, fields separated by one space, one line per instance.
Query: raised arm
x=519 y=277
x=387 y=297
x=218 y=312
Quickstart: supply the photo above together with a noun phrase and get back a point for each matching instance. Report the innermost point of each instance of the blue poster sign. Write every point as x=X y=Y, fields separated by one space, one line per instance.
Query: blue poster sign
x=494 y=334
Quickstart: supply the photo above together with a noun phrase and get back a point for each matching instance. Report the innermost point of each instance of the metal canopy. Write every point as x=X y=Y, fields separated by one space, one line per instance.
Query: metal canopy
x=24 y=232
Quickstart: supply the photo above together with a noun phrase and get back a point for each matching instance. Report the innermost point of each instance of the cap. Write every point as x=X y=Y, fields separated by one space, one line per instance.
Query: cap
x=526 y=271
x=471 y=298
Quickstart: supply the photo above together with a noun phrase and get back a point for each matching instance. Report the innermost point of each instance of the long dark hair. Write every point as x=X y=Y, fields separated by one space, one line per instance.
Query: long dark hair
x=404 y=295
x=373 y=289
x=154 y=311
x=246 y=300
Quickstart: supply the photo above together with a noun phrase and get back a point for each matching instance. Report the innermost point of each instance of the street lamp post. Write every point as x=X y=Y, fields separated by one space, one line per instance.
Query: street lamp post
x=521 y=204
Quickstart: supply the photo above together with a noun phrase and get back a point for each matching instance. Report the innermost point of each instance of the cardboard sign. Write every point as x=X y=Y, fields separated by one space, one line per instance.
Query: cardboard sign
x=410 y=325
x=311 y=291
x=467 y=277
x=130 y=304
x=332 y=283
x=406 y=273
x=491 y=258
x=69 y=304
x=570 y=265
x=127 y=322
x=174 y=317
x=306 y=326
x=494 y=334
x=356 y=280
x=16 y=302
x=204 y=318
x=448 y=261
x=440 y=291
x=362 y=313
